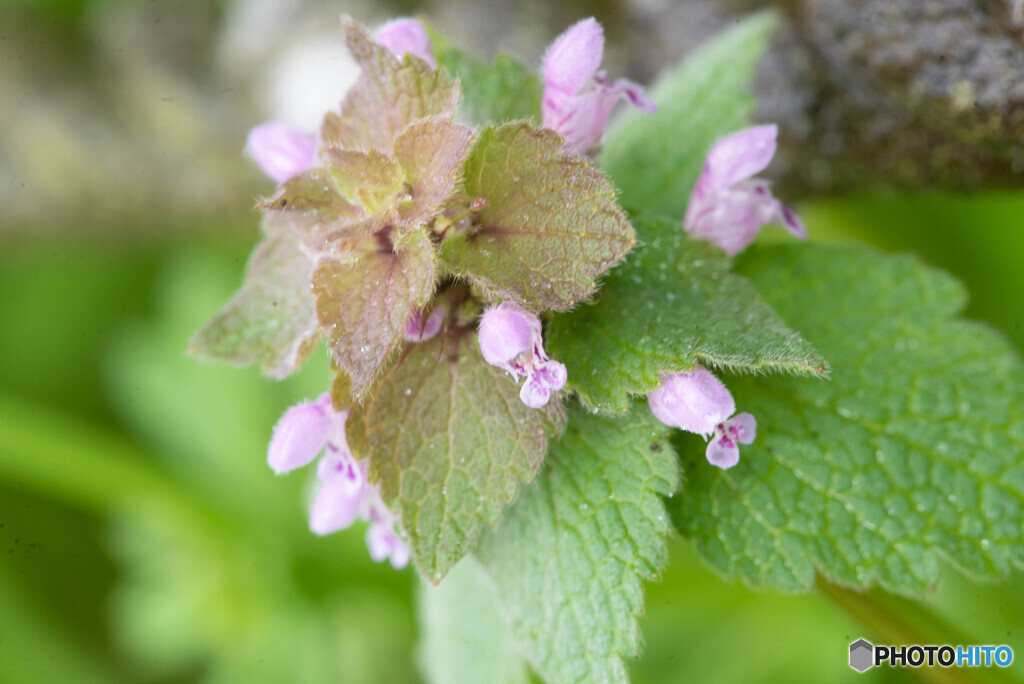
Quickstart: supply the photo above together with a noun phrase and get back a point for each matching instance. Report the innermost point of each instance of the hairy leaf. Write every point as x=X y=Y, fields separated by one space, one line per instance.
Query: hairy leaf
x=364 y=302
x=431 y=152
x=551 y=224
x=370 y=179
x=913 y=452
x=449 y=441
x=655 y=159
x=315 y=210
x=389 y=95
x=314 y=195
x=271 y=319
x=463 y=635
x=672 y=304
x=570 y=556
x=494 y=93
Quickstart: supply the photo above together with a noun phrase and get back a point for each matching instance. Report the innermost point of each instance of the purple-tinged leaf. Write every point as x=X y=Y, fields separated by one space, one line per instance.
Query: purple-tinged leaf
x=364 y=298
x=271 y=319
x=550 y=225
x=369 y=179
x=389 y=95
x=431 y=152
x=449 y=442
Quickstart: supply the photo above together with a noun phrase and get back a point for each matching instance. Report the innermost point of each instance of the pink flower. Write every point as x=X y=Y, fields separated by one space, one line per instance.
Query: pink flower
x=342 y=492
x=578 y=99
x=510 y=338
x=418 y=330
x=300 y=435
x=723 y=450
x=382 y=538
x=728 y=205
x=344 y=495
x=406 y=36
x=281 y=151
x=695 y=401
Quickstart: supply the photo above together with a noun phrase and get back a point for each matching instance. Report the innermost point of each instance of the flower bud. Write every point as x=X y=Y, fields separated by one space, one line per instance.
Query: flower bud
x=507 y=336
x=300 y=435
x=281 y=151
x=406 y=36
x=694 y=400
x=418 y=330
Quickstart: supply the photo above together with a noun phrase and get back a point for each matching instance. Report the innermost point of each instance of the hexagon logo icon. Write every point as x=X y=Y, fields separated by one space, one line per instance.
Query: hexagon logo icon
x=861 y=655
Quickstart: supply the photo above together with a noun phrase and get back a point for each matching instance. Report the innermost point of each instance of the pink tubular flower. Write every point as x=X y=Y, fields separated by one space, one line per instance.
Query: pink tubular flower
x=300 y=435
x=382 y=538
x=722 y=450
x=406 y=36
x=695 y=401
x=510 y=338
x=418 y=330
x=281 y=151
x=578 y=99
x=728 y=205
x=344 y=495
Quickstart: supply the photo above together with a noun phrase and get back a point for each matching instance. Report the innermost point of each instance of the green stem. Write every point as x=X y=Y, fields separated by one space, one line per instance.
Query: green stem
x=899 y=621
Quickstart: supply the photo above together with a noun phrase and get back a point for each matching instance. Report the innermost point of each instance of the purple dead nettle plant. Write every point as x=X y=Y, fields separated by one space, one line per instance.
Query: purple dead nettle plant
x=518 y=341
x=397 y=233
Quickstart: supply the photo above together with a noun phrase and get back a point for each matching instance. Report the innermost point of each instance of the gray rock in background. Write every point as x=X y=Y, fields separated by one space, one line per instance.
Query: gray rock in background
x=136 y=117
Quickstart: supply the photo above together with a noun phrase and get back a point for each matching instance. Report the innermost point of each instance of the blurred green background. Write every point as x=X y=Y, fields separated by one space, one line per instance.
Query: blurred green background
x=143 y=538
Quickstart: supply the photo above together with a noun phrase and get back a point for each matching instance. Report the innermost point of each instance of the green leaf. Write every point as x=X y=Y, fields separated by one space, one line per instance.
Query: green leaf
x=463 y=636
x=655 y=159
x=364 y=303
x=551 y=224
x=913 y=452
x=369 y=179
x=570 y=556
x=389 y=95
x=672 y=304
x=314 y=194
x=271 y=319
x=449 y=440
x=494 y=93
x=431 y=152
x=315 y=210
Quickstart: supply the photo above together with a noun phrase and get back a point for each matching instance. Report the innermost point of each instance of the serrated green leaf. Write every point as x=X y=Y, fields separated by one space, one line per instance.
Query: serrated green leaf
x=388 y=96
x=672 y=304
x=551 y=224
x=494 y=93
x=271 y=319
x=363 y=304
x=570 y=556
x=449 y=440
x=914 y=451
x=655 y=159
x=431 y=153
x=463 y=636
